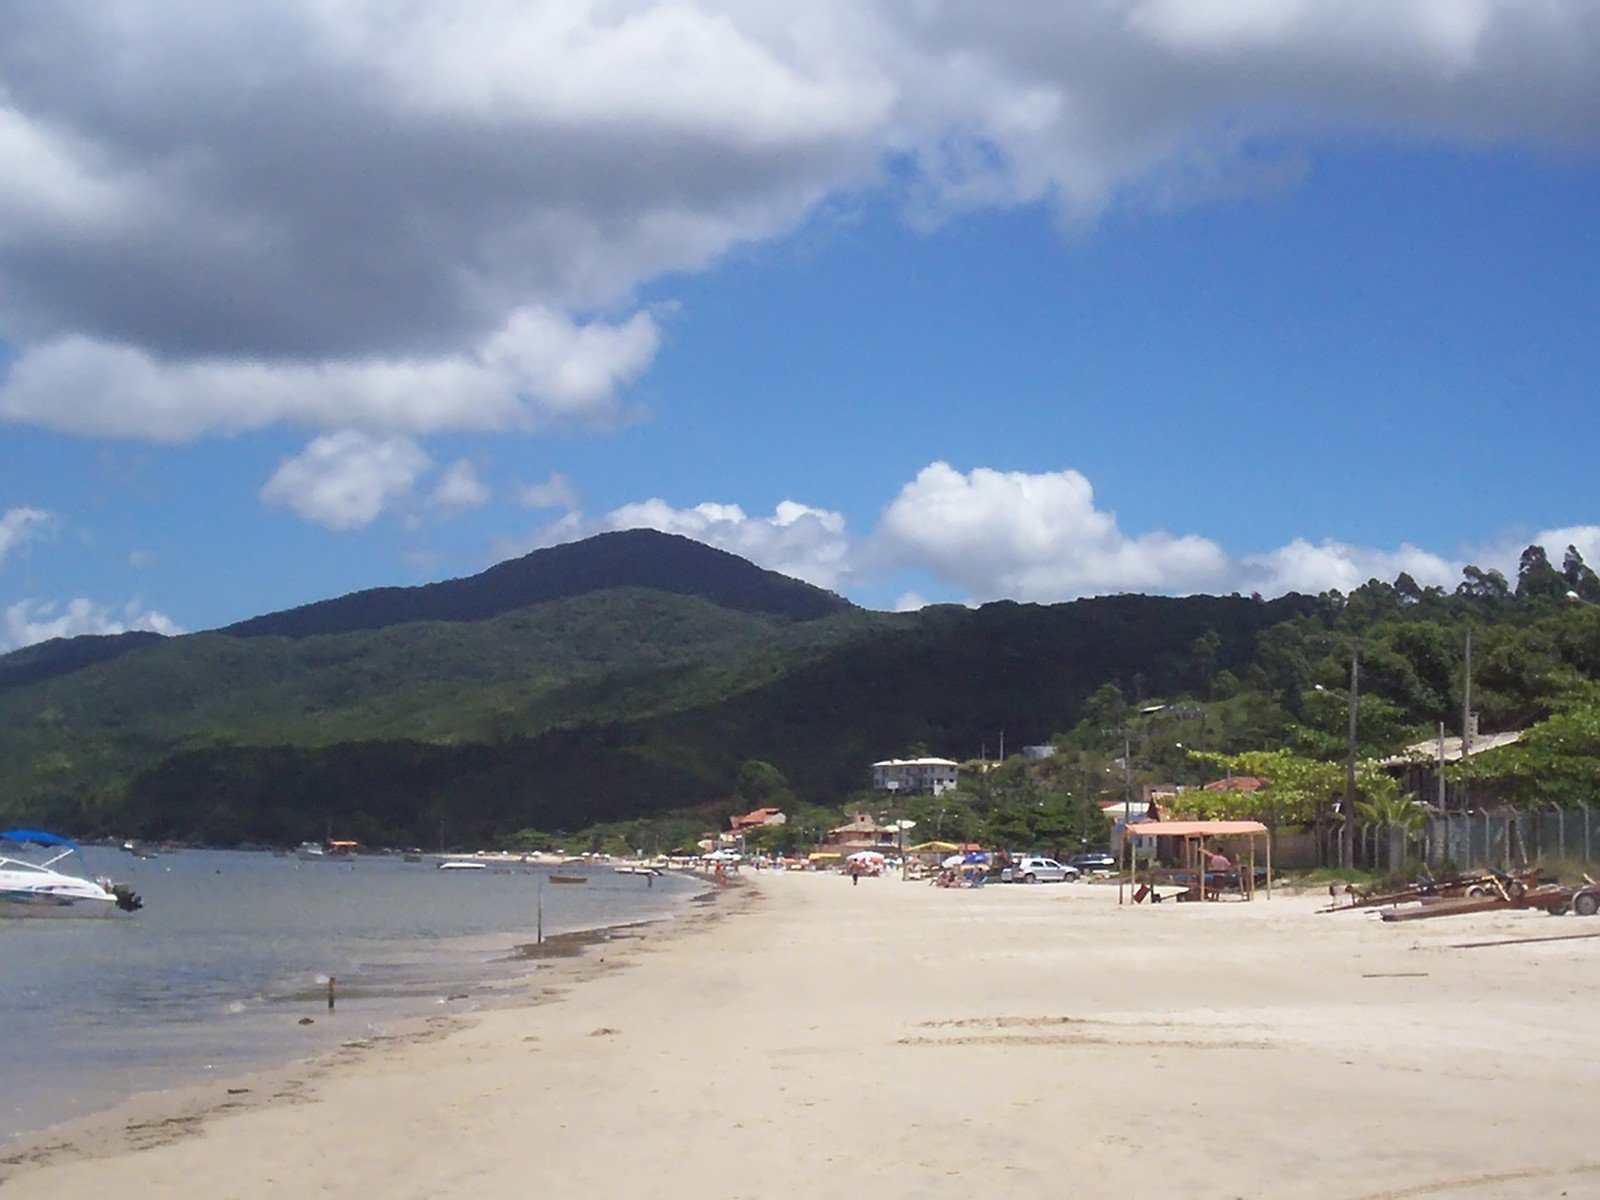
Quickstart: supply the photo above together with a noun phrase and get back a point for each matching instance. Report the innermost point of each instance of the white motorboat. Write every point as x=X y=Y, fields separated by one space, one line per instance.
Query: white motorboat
x=461 y=864
x=45 y=878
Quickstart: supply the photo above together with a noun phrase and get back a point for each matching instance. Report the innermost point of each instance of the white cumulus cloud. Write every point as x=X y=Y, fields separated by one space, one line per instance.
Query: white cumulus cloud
x=18 y=526
x=997 y=534
x=1302 y=566
x=346 y=480
x=459 y=488
x=540 y=369
x=555 y=492
x=31 y=621
x=1585 y=539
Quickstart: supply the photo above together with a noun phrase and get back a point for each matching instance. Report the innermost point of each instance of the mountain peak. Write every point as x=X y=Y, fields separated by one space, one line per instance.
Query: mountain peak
x=642 y=558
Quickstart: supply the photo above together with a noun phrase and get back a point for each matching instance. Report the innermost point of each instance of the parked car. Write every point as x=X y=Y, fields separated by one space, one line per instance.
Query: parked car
x=1093 y=861
x=1032 y=869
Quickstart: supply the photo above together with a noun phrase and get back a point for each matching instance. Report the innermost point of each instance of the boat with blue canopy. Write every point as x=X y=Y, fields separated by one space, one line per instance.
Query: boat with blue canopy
x=43 y=875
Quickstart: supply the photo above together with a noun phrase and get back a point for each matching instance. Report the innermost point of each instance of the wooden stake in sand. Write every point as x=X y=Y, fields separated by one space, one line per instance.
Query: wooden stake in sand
x=1554 y=937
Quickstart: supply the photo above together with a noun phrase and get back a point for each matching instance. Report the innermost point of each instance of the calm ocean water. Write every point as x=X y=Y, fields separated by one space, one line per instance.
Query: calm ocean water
x=232 y=949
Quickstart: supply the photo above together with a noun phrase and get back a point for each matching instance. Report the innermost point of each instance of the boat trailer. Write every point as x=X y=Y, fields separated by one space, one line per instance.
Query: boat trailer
x=1480 y=891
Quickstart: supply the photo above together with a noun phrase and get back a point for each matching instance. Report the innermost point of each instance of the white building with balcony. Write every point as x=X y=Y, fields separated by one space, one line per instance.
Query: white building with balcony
x=904 y=776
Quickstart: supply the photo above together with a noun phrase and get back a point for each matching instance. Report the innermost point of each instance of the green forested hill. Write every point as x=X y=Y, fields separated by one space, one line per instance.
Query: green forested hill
x=634 y=558
x=619 y=703
x=616 y=702
x=442 y=682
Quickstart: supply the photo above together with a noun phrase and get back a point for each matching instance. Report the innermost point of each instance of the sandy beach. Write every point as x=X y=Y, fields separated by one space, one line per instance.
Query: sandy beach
x=804 y=1037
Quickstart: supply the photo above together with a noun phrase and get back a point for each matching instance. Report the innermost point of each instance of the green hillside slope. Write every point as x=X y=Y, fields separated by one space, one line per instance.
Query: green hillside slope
x=512 y=675
x=821 y=711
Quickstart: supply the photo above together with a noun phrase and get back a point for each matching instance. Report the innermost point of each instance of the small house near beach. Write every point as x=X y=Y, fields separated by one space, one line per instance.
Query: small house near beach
x=863 y=833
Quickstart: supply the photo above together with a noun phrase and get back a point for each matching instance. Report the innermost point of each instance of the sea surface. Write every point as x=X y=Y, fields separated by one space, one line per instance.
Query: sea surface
x=213 y=977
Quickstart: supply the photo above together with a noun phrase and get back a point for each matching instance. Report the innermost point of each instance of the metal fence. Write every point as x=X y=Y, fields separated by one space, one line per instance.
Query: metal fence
x=1501 y=838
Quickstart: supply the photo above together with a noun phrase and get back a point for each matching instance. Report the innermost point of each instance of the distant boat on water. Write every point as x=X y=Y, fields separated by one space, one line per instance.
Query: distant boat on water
x=459 y=864
x=569 y=879
x=316 y=851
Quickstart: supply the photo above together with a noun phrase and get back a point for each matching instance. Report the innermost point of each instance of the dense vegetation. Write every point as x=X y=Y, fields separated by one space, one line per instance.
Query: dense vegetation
x=601 y=687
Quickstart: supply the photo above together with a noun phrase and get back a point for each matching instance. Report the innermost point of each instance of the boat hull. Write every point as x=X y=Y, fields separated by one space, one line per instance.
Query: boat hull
x=43 y=906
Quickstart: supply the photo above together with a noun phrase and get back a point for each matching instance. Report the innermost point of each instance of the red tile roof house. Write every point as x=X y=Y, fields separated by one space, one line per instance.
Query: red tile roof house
x=760 y=816
x=739 y=826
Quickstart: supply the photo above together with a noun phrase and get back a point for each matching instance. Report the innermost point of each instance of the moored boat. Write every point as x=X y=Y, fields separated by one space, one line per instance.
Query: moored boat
x=45 y=878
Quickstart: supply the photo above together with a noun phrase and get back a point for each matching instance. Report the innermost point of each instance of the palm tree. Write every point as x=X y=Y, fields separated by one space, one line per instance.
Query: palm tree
x=1385 y=807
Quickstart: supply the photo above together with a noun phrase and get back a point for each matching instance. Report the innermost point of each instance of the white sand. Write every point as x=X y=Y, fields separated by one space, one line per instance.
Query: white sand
x=817 y=1039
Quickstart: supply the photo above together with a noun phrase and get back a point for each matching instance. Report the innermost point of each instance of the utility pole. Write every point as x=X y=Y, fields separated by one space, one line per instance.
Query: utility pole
x=1347 y=835
x=1127 y=776
x=1347 y=825
x=1466 y=713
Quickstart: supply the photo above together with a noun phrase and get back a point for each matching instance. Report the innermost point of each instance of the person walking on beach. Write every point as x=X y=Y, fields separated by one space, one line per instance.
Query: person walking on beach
x=855 y=874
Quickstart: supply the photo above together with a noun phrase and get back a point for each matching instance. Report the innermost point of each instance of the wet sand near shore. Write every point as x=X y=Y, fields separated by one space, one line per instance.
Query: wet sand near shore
x=803 y=1037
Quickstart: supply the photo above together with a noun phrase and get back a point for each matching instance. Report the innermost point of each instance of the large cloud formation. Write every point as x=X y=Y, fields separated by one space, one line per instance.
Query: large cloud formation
x=1033 y=537
x=404 y=219
x=984 y=534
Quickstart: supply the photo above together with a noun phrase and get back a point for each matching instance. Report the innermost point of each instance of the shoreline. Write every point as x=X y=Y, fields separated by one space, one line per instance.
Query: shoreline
x=801 y=1035
x=188 y=1101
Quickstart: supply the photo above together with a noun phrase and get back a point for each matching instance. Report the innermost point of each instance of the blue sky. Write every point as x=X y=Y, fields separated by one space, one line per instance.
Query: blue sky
x=1153 y=296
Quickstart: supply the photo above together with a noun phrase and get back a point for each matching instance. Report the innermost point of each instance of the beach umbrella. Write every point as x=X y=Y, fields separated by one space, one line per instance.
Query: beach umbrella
x=955 y=860
x=975 y=857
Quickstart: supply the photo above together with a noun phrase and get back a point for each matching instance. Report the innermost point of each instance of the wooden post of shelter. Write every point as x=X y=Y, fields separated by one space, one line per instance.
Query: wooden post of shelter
x=1122 y=864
